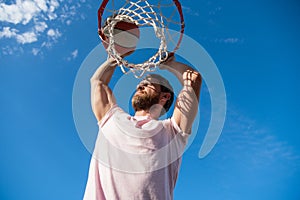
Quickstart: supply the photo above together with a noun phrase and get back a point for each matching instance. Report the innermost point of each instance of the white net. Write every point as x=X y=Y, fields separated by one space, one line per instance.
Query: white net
x=161 y=15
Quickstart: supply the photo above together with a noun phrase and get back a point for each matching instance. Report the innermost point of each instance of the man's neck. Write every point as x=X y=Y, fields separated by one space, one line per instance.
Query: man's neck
x=142 y=113
x=146 y=113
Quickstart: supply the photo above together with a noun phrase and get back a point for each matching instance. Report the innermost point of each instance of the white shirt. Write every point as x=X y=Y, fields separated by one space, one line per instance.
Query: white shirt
x=135 y=158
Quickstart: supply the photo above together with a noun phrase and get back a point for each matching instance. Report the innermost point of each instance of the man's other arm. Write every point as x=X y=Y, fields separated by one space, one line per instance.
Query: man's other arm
x=186 y=107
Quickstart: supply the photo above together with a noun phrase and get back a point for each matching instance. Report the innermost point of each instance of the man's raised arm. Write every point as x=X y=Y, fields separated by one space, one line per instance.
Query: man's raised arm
x=186 y=107
x=102 y=98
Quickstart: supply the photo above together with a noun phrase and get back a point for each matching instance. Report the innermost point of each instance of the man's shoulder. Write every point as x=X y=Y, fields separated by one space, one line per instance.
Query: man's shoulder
x=115 y=110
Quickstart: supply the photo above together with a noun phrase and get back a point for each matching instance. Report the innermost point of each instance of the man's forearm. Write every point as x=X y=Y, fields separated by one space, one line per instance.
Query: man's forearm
x=105 y=71
x=187 y=76
x=179 y=70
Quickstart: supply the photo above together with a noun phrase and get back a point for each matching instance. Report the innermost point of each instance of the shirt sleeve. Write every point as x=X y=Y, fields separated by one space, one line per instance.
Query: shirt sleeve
x=173 y=127
x=108 y=115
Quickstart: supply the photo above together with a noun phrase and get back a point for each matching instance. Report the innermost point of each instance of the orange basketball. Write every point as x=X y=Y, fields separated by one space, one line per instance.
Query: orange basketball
x=126 y=36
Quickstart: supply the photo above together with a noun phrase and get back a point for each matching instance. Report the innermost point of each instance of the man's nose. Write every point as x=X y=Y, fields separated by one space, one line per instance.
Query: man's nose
x=141 y=87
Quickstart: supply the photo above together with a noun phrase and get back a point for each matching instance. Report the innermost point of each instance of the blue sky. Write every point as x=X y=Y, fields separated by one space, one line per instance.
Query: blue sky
x=255 y=47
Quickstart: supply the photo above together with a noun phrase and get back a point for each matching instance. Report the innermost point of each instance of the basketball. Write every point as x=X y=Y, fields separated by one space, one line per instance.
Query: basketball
x=126 y=36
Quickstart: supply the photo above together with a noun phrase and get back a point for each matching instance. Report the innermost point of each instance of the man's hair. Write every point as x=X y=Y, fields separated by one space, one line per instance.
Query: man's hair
x=165 y=86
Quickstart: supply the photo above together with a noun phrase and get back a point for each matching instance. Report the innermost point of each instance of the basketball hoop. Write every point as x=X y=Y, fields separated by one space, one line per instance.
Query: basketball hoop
x=161 y=15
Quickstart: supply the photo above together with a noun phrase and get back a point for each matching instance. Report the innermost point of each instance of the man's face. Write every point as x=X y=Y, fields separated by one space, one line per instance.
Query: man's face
x=147 y=94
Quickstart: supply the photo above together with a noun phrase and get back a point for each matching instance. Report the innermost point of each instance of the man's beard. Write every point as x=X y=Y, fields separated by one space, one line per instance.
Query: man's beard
x=144 y=101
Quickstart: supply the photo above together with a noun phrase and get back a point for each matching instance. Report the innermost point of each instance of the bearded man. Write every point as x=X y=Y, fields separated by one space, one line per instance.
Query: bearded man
x=138 y=157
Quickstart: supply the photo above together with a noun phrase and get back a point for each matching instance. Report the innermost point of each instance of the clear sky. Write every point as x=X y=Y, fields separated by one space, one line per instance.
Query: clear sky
x=255 y=46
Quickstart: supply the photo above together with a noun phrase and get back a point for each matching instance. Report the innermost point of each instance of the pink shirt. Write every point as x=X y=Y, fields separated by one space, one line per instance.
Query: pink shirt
x=135 y=158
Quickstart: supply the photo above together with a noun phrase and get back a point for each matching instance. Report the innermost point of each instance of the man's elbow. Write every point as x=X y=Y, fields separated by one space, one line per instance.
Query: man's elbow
x=93 y=79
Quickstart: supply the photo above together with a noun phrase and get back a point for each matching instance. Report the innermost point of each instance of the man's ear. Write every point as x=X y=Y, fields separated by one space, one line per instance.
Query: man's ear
x=165 y=97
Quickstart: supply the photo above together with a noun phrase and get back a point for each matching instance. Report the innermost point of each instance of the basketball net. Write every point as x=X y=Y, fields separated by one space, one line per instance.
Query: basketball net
x=142 y=14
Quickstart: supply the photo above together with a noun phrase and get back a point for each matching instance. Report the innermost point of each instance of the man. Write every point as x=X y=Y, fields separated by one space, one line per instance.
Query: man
x=138 y=157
